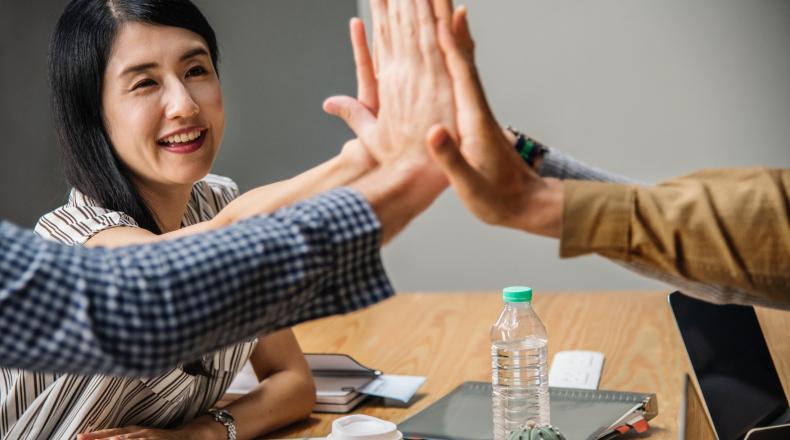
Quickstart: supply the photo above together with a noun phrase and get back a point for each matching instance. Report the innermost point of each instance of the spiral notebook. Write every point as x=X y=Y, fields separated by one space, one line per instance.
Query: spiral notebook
x=465 y=414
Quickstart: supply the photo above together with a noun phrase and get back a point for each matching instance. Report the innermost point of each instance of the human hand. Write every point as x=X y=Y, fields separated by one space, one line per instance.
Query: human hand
x=359 y=113
x=492 y=180
x=133 y=432
x=413 y=85
x=361 y=110
x=414 y=91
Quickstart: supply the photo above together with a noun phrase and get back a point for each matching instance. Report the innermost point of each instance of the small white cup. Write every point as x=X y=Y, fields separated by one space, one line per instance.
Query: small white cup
x=362 y=427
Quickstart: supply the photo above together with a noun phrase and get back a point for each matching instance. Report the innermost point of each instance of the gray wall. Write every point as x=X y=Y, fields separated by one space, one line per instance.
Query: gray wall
x=280 y=60
x=30 y=180
x=650 y=89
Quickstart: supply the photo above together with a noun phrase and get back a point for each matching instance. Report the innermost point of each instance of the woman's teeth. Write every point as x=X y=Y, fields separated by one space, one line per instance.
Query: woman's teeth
x=182 y=138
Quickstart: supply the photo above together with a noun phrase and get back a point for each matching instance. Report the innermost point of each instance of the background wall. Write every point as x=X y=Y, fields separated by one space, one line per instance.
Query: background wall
x=280 y=60
x=30 y=180
x=650 y=89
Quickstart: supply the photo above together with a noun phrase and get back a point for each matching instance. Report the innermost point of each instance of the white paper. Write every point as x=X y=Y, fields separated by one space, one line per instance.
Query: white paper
x=392 y=386
x=576 y=369
x=244 y=382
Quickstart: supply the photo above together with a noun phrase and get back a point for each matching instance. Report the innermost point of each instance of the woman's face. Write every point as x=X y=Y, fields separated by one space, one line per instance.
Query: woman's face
x=162 y=104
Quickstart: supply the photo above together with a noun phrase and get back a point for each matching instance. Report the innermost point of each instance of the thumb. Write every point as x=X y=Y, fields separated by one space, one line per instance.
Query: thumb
x=358 y=117
x=446 y=153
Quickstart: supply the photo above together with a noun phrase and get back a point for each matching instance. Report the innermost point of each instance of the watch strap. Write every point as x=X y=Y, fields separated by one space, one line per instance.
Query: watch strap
x=225 y=417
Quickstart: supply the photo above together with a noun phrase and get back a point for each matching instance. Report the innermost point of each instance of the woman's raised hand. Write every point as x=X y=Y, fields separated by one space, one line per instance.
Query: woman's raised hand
x=360 y=112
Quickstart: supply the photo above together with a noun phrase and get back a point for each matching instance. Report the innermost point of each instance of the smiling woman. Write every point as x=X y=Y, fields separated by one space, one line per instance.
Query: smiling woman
x=139 y=112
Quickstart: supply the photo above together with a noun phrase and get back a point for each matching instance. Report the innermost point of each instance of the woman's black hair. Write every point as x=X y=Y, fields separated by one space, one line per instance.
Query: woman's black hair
x=78 y=53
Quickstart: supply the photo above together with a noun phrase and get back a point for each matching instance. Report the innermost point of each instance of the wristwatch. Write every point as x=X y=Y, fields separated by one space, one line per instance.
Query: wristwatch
x=224 y=417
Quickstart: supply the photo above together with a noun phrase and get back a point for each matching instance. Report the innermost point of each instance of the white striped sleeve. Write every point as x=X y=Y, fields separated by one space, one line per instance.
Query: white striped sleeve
x=224 y=188
x=78 y=221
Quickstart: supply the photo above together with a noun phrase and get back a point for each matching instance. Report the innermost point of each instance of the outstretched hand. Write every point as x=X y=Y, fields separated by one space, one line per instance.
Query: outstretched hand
x=486 y=172
x=403 y=90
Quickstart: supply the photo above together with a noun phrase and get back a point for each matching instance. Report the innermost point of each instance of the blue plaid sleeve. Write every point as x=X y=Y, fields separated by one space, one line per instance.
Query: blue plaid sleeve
x=141 y=309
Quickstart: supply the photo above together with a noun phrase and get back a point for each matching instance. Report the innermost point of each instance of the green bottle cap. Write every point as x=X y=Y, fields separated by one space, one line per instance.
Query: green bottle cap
x=517 y=294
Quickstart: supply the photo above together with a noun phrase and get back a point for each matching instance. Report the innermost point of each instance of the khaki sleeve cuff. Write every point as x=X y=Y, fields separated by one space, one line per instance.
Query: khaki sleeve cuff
x=596 y=219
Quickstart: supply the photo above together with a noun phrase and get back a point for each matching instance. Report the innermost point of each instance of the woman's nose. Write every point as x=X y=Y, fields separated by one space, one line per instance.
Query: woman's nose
x=180 y=103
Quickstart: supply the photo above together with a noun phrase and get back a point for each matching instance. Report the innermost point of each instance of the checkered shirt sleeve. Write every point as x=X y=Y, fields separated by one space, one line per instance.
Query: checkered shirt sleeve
x=140 y=309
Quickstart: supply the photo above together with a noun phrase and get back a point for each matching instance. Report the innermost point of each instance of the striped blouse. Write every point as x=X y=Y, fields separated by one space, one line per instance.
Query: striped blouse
x=55 y=406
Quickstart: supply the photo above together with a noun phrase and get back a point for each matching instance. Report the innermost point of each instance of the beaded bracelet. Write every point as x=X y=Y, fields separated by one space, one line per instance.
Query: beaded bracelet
x=526 y=147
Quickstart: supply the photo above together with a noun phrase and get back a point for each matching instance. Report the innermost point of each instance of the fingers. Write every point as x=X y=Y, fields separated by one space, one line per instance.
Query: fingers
x=393 y=11
x=127 y=433
x=445 y=152
x=460 y=27
x=443 y=9
x=381 y=37
x=103 y=434
x=468 y=90
x=357 y=116
x=407 y=27
x=367 y=85
x=427 y=35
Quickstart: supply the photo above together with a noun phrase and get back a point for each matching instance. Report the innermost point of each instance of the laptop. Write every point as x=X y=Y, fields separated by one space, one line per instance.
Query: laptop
x=740 y=387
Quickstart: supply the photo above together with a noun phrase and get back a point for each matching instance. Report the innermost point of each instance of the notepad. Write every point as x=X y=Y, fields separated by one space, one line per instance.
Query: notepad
x=465 y=414
x=341 y=383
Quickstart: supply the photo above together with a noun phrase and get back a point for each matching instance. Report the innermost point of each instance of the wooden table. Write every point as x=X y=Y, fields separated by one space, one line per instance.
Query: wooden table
x=445 y=338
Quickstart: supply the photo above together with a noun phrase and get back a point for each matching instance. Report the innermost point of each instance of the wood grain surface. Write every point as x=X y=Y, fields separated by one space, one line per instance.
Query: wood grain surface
x=445 y=337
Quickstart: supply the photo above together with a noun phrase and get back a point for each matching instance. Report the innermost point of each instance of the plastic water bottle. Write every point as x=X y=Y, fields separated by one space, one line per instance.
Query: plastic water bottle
x=519 y=373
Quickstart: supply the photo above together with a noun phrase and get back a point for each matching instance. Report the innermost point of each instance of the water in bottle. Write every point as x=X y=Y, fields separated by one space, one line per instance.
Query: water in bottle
x=519 y=365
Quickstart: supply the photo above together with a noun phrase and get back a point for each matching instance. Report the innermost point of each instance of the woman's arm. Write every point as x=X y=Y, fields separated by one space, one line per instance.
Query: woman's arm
x=346 y=167
x=351 y=163
x=285 y=394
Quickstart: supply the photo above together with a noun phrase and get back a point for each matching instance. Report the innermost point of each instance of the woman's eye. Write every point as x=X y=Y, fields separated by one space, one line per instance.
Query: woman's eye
x=196 y=71
x=144 y=83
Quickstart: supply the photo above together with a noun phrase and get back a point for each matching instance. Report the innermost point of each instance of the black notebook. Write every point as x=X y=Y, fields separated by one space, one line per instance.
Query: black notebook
x=465 y=413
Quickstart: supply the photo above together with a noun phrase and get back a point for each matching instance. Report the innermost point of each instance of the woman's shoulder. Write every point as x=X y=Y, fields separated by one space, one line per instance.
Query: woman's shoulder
x=221 y=185
x=210 y=195
x=79 y=219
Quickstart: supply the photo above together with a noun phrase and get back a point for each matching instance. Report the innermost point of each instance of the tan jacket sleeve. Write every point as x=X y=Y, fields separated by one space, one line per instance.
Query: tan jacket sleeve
x=726 y=227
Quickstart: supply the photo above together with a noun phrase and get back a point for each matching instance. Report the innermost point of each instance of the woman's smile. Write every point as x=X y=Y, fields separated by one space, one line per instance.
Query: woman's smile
x=183 y=141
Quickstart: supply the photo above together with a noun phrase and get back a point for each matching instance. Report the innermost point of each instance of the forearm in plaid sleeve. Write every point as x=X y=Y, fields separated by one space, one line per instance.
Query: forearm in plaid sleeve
x=142 y=309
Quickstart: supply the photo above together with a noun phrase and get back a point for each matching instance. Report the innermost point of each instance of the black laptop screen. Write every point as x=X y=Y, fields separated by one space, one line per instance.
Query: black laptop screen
x=732 y=363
